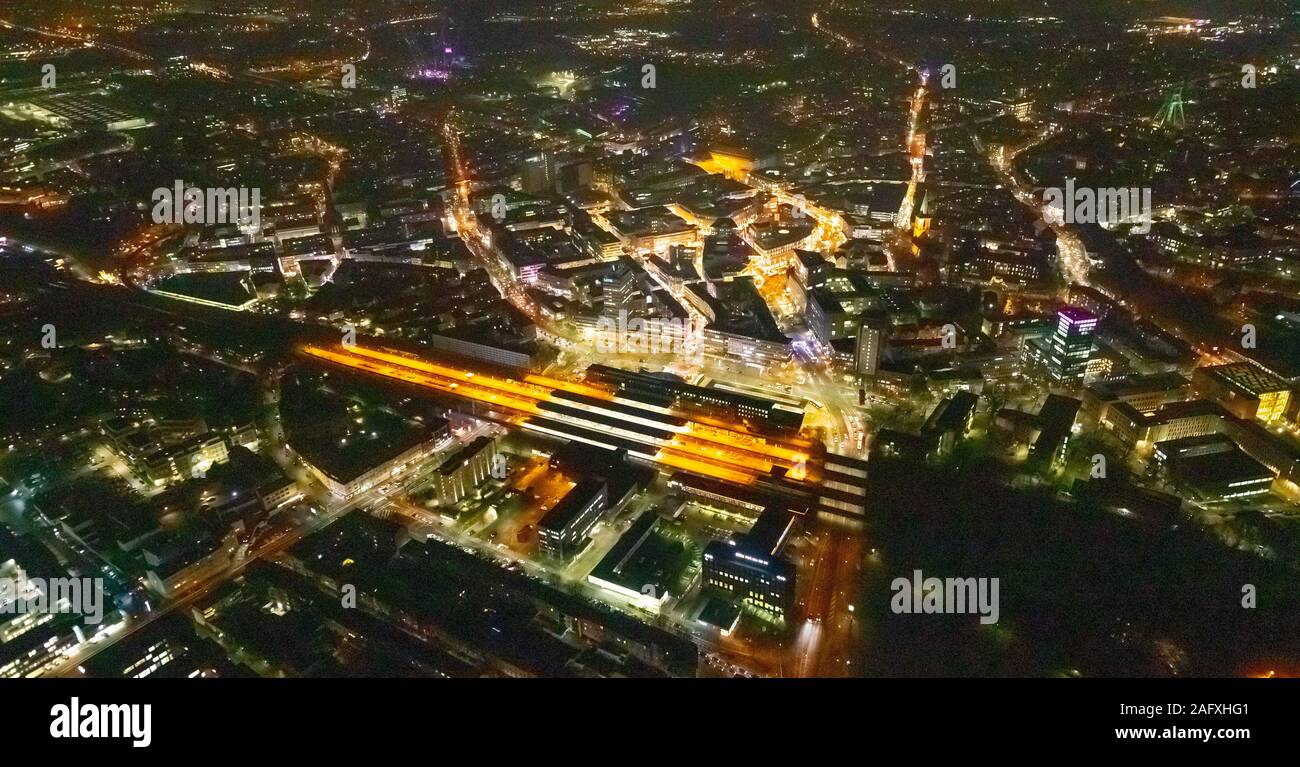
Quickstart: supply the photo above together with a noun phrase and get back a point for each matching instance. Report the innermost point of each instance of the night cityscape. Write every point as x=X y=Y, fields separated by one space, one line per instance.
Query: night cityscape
x=649 y=338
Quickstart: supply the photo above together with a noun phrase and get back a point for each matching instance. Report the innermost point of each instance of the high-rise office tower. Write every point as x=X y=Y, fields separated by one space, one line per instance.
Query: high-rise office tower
x=1071 y=345
x=538 y=174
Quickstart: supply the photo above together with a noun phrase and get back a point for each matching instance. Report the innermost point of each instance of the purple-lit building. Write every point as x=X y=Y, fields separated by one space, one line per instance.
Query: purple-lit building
x=1070 y=346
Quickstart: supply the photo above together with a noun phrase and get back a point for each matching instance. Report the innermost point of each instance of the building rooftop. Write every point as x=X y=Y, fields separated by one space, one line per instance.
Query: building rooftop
x=1076 y=314
x=770 y=532
x=1055 y=420
x=772 y=236
x=739 y=309
x=463 y=456
x=572 y=504
x=1245 y=378
x=644 y=557
x=1137 y=384
x=1231 y=467
x=741 y=495
x=952 y=414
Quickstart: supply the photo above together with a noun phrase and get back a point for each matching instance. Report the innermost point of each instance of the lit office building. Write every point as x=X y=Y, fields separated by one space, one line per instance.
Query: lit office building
x=1246 y=390
x=868 y=357
x=563 y=530
x=463 y=472
x=619 y=291
x=538 y=174
x=750 y=566
x=1070 y=346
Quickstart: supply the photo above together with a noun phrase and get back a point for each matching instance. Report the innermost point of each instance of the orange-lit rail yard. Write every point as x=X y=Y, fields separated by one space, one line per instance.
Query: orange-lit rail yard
x=682 y=443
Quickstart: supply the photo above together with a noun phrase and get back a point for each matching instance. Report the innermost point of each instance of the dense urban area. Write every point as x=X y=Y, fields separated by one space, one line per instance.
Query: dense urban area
x=649 y=338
